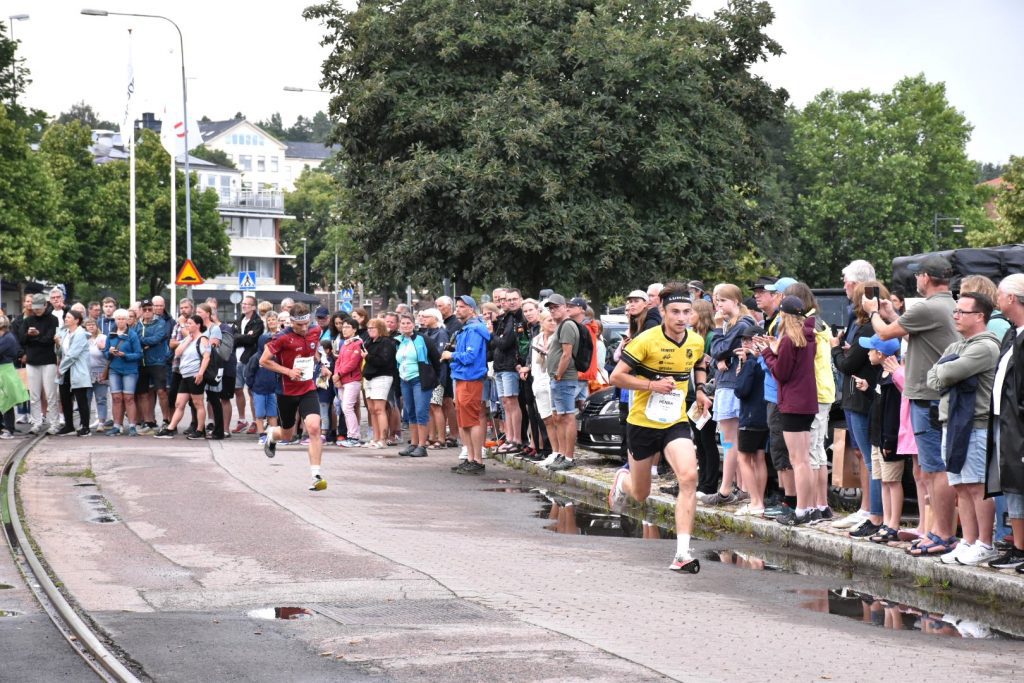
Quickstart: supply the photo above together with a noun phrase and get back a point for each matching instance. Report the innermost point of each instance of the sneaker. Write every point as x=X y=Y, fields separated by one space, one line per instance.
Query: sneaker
x=851 y=521
x=539 y=457
x=141 y=430
x=461 y=466
x=132 y=431
x=240 y=427
x=253 y=428
x=472 y=468
x=865 y=530
x=978 y=554
x=305 y=441
x=746 y=511
x=114 y=431
x=557 y=459
x=21 y=419
x=1011 y=559
x=36 y=429
x=197 y=436
x=563 y=464
x=351 y=443
x=791 y=518
x=681 y=564
x=616 y=496
x=100 y=427
x=5 y=435
x=775 y=511
x=52 y=431
x=418 y=452
x=319 y=484
x=717 y=498
x=166 y=433
x=269 y=447
x=552 y=457
x=66 y=430
x=671 y=490
x=739 y=496
x=962 y=549
x=108 y=424
x=824 y=515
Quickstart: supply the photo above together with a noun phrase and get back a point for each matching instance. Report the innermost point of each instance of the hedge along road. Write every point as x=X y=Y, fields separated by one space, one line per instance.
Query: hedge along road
x=412 y=572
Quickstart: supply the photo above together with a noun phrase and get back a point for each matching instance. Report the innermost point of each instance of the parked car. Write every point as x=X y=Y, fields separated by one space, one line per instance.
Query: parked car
x=597 y=425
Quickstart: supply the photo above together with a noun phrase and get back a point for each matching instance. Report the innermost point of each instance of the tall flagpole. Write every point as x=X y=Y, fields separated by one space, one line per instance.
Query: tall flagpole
x=131 y=176
x=172 y=309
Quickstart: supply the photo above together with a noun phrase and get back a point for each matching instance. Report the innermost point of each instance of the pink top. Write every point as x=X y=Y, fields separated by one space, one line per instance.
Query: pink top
x=906 y=444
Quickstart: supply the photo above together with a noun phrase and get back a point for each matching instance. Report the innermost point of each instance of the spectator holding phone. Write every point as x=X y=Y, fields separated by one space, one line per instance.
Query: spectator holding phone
x=124 y=351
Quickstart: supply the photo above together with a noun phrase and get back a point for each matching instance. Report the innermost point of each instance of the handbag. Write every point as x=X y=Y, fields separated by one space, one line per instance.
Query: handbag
x=105 y=375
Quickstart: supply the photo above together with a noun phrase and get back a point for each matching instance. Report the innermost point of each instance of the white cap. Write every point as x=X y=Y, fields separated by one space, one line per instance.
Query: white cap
x=637 y=294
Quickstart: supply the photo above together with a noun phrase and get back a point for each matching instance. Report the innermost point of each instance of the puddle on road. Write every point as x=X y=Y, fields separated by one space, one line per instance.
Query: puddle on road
x=578 y=518
x=285 y=613
x=5 y=586
x=743 y=560
x=899 y=616
x=104 y=519
x=86 y=484
x=9 y=613
x=510 y=489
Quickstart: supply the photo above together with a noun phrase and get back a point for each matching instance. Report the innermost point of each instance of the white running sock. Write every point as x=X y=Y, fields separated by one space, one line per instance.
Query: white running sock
x=315 y=469
x=683 y=545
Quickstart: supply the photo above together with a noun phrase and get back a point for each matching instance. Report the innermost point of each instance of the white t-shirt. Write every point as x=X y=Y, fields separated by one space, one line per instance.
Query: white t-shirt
x=1001 y=369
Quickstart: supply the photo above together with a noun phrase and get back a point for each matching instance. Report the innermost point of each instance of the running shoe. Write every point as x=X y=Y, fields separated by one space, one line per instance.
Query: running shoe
x=269 y=446
x=407 y=451
x=84 y=431
x=746 y=511
x=166 y=433
x=791 y=518
x=114 y=431
x=305 y=441
x=132 y=431
x=52 y=431
x=979 y=553
x=851 y=521
x=563 y=464
x=1011 y=559
x=740 y=496
x=716 y=499
x=865 y=530
x=774 y=511
x=240 y=427
x=141 y=430
x=5 y=435
x=552 y=457
x=197 y=436
x=418 y=452
x=319 y=484
x=472 y=468
x=66 y=430
x=962 y=549
x=461 y=466
x=616 y=495
x=682 y=563
x=253 y=428
x=36 y=429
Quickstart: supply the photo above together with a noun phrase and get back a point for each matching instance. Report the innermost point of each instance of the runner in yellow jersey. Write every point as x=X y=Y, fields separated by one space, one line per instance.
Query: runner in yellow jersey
x=657 y=366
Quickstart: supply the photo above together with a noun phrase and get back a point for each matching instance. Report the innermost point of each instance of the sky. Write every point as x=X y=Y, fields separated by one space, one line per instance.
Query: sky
x=239 y=56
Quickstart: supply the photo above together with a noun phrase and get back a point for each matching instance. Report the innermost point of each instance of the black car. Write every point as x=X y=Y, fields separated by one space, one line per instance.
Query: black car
x=597 y=425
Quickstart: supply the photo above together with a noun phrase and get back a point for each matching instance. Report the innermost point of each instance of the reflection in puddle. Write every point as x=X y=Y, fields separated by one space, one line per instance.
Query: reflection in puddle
x=577 y=518
x=870 y=609
x=510 y=489
x=82 y=485
x=4 y=586
x=9 y=613
x=286 y=613
x=741 y=560
x=104 y=519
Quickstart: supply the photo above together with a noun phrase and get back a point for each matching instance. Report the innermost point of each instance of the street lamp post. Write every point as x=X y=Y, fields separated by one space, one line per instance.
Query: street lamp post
x=958 y=227
x=14 y=63
x=184 y=112
x=304 y=266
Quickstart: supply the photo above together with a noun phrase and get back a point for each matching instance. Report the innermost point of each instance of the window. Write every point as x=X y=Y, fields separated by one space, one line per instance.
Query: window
x=233 y=226
x=273 y=164
x=225 y=181
x=261 y=163
x=245 y=161
x=258 y=228
x=264 y=267
x=248 y=140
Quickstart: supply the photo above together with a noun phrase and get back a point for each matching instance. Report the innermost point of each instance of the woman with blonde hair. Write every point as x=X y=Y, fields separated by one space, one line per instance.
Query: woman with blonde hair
x=702 y=321
x=791 y=361
x=728 y=299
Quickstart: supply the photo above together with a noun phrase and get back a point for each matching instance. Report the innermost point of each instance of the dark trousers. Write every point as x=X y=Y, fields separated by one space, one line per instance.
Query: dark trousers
x=532 y=424
x=81 y=396
x=8 y=421
x=708 y=459
x=213 y=398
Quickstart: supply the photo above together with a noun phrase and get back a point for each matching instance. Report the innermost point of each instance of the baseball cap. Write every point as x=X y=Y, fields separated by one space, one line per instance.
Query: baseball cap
x=751 y=331
x=468 y=300
x=637 y=294
x=696 y=284
x=555 y=299
x=780 y=285
x=762 y=282
x=145 y=302
x=578 y=301
x=934 y=265
x=38 y=300
x=792 y=305
x=888 y=347
x=322 y=312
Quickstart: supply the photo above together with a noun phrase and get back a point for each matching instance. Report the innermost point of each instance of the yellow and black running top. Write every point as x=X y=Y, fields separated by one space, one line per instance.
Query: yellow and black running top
x=653 y=355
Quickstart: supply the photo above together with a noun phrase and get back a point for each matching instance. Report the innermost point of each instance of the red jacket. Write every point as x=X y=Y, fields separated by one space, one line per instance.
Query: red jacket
x=349 y=365
x=793 y=369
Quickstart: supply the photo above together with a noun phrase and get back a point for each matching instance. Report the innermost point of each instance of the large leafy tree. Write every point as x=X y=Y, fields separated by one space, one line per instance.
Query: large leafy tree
x=28 y=208
x=87 y=116
x=589 y=144
x=318 y=203
x=14 y=76
x=872 y=171
x=1008 y=227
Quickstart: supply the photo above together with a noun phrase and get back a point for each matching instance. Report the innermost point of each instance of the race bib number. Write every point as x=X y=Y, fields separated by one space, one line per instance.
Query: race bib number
x=304 y=364
x=665 y=408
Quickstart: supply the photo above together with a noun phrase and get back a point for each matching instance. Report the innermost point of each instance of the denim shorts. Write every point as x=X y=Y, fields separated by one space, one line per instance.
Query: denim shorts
x=123 y=384
x=727 y=406
x=973 y=471
x=929 y=439
x=264 y=405
x=563 y=396
x=508 y=383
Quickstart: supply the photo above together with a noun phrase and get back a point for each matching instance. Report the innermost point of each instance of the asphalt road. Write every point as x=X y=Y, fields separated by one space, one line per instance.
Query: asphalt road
x=410 y=572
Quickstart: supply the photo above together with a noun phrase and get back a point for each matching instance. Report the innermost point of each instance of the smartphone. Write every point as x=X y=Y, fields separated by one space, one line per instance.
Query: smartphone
x=870 y=292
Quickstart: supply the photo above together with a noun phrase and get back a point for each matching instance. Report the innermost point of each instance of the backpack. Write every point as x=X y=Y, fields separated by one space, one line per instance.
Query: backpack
x=227 y=343
x=214 y=367
x=584 y=353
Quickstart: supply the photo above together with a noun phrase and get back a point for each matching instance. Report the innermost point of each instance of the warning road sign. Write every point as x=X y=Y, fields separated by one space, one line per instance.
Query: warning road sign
x=189 y=275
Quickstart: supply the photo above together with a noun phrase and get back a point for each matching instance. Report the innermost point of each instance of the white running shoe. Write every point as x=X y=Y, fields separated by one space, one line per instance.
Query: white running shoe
x=548 y=460
x=979 y=553
x=962 y=549
x=616 y=495
x=851 y=521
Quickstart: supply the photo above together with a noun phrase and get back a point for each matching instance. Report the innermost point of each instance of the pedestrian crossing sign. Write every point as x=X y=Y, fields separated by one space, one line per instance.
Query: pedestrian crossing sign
x=247 y=280
x=189 y=275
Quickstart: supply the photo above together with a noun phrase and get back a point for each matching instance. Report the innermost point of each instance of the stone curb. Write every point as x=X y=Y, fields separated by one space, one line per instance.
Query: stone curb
x=981 y=582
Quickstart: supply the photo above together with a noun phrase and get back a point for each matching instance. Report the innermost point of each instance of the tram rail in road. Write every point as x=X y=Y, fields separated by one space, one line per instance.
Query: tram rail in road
x=79 y=636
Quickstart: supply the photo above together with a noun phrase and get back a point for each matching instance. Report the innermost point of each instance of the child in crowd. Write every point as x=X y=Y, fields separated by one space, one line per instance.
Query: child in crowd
x=264 y=384
x=884 y=429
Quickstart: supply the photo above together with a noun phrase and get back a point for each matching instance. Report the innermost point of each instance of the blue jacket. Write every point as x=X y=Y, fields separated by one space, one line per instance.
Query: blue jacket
x=750 y=392
x=129 y=344
x=771 y=387
x=155 y=349
x=469 y=360
x=260 y=380
x=722 y=348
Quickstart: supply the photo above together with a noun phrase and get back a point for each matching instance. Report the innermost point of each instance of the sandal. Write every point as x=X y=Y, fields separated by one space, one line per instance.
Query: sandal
x=451 y=443
x=884 y=535
x=933 y=547
x=435 y=445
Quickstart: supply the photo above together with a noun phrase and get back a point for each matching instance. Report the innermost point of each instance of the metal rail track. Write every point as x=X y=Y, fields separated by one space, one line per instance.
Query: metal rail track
x=80 y=637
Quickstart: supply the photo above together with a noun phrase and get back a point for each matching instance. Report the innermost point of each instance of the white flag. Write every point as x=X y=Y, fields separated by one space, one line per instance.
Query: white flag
x=128 y=117
x=172 y=131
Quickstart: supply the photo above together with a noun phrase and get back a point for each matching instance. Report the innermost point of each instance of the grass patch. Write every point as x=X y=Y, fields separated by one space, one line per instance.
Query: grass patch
x=888 y=572
x=922 y=581
x=87 y=473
